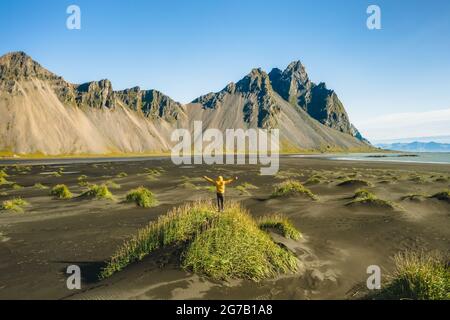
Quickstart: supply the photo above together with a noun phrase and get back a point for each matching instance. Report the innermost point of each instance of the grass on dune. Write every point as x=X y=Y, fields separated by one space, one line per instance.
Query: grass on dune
x=418 y=276
x=363 y=196
x=98 y=192
x=142 y=197
x=443 y=195
x=40 y=186
x=354 y=182
x=245 y=187
x=16 y=186
x=414 y=197
x=122 y=175
x=290 y=188
x=220 y=246
x=112 y=184
x=15 y=204
x=3 y=174
x=3 y=181
x=280 y=224
x=61 y=191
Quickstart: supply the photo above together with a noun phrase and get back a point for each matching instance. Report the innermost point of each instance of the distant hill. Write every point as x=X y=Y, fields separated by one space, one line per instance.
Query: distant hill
x=40 y=112
x=416 y=146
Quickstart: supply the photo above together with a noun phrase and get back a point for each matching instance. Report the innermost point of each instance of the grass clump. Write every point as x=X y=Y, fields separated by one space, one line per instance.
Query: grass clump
x=82 y=177
x=245 y=187
x=40 y=186
x=354 y=182
x=313 y=180
x=363 y=196
x=122 y=175
x=3 y=181
x=418 y=276
x=281 y=224
x=98 y=192
x=290 y=188
x=152 y=174
x=61 y=191
x=16 y=186
x=3 y=174
x=142 y=197
x=414 y=197
x=112 y=184
x=15 y=204
x=443 y=195
x=220 y=246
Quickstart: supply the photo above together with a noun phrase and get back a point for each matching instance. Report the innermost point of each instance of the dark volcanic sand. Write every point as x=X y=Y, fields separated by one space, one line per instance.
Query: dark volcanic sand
x=339 y=243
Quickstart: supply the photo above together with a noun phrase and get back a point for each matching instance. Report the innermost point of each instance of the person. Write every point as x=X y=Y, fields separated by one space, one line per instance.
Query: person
x=220 y=184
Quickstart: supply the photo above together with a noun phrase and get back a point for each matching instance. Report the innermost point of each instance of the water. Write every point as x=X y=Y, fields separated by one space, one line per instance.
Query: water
x=419 y=157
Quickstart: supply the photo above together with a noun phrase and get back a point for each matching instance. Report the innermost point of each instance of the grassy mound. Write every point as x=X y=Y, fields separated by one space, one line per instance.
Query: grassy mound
x=40 y=186
x=220 y=246
x=354 y=183
x=142 y=197
x=443 y=195
x=112 y=184
x=418 y=276
x=122 y=175
x=3 y=174
x=15 y=204
x=290 y=188
x=281 y=224
x=61 y=191
x=363 y=196
x=414 y=197
x=245 y=187
x=98 y=192
x=3 y=181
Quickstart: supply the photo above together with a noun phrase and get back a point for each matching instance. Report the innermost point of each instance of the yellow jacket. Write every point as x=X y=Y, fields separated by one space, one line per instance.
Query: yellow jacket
x=219 y=183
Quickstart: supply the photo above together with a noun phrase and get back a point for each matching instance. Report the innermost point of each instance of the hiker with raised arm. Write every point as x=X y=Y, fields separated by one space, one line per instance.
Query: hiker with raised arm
x=220 y=184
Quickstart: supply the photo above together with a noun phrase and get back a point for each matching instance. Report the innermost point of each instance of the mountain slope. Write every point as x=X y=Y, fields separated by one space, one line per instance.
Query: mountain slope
x=40 y=112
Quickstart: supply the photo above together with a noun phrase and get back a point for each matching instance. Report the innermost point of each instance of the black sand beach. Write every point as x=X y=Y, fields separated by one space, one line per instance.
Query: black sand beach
x=339 y=241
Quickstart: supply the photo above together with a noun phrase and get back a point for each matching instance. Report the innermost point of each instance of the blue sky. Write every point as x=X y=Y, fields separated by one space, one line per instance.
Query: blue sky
x=188 y=48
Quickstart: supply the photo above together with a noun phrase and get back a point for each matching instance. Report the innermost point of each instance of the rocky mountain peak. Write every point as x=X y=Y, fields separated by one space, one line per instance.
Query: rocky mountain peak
x=256 y=80
x=17 y=65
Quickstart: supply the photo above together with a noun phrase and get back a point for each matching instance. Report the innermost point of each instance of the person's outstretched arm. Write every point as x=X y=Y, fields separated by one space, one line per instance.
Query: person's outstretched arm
x=231 y=180
x=209 y=180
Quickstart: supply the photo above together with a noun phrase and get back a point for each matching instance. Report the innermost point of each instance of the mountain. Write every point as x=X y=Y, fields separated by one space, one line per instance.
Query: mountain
x=417 y=146
x=294 y=86
x=40 y=112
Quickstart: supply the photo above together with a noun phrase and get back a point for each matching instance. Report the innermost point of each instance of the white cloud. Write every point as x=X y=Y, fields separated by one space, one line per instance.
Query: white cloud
x=404 y=125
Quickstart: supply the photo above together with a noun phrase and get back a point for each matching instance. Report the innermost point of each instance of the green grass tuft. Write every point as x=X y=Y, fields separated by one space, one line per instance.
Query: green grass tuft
x=16 y=186
x=142 y=197
x=3 y=174
x=363 y=196
x=61 y=191
x=220 y=246
x=122 y=175
x=15 y=204
x=281 y=224
x=112 y=184
x=40 y=186
x=4 y=181
x=98 y=192
x=245 y=187
x=418 y=276
x=290 y=188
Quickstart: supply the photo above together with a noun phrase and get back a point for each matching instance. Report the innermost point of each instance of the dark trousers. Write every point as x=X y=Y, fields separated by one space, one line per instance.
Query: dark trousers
x=220 y=197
